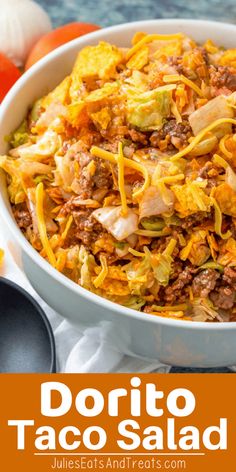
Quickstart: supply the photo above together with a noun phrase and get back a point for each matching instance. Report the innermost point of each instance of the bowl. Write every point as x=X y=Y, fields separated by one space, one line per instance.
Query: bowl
x=182 y=343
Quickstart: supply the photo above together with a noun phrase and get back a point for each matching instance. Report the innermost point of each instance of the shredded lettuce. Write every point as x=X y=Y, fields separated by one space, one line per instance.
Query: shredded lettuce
x=134 y=302
x=87 y=264
x=161 y=264
x=20 y=136
x=148 y=110
x=153 y=223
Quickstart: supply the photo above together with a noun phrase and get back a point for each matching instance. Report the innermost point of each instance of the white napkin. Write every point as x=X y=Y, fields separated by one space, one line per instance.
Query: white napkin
x=79 y=349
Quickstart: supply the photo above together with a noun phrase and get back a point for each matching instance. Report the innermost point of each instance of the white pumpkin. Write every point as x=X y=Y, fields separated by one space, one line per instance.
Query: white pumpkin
x=22 y=23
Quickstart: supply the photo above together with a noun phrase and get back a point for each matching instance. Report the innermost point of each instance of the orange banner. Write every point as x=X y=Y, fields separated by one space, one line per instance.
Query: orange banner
x=117 y=422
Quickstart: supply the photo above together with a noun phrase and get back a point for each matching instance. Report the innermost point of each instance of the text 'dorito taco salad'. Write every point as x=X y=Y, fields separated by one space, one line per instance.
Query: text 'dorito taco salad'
x=124 y=176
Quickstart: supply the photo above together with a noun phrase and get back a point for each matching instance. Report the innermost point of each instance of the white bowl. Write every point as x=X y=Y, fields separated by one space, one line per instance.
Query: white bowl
x=173 y=342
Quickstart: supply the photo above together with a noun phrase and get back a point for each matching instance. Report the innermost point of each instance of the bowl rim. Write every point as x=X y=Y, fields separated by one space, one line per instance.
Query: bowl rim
x=23 y=242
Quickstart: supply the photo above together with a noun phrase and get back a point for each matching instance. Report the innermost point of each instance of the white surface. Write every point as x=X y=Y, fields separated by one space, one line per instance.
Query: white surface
x=79 y=349
x=173 y=342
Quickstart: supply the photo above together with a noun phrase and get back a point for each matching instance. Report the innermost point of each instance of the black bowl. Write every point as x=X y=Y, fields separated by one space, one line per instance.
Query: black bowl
x=26 y=339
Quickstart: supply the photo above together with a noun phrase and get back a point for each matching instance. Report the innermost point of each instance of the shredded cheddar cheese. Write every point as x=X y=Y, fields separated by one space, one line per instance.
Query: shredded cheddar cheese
x=42 y=226
x=181 y=307
x=223 y=147
x=201 y=135
x=170 y=248
x=218 y=160
x=152 y=234
x=68 y=225
x=185 y=80
x=121 y=179
x=149 y=38
x=170 y=179
x=103 y=273
x=61 y=260
x=109 y=156
x=218 y=221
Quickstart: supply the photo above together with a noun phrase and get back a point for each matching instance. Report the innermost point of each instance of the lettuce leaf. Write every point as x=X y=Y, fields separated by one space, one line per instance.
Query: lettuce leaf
x=148 y=110
x=20 y=136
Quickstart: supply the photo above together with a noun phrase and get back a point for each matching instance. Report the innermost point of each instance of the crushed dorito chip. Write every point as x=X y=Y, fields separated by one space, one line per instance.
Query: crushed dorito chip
x=104 y=92
x=139 y=60
x=226 y=198
x=228 y=58
x=77 y=114
x=190 y=199
x=59 y=94
x=98 y=61
x=102 y=118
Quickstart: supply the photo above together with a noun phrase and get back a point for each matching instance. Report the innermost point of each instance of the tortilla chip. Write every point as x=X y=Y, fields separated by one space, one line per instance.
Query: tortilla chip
x=104 y=92
x=59 y=94
x=115 y=287
x=76 y=85
x=102 y=118
x=228 y=58
x=99 y=61
x=139 y=60
x=196 y=249
x=187 y=203
x=77 y=114
x=226 y=199
x=172 y=48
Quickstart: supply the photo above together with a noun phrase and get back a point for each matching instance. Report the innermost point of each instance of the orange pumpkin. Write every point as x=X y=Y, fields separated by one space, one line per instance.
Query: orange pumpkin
x=56 y=38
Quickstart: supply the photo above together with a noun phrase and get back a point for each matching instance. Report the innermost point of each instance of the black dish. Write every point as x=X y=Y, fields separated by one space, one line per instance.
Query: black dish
x=26 y=339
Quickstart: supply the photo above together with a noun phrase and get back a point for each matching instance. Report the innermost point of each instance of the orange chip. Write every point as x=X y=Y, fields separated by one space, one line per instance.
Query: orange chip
x=59 y=94
x=228 y=58
x=226 y=199
x=77 y=114
x=102 y=118
x=98 y=61
x=108 y=89
x=139 y=60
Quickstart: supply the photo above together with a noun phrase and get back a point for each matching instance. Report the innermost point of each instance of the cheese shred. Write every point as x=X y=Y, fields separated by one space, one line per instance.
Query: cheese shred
x=149 y=38
x=102 y=275
x=109 y=156
x=223 y=148
x=136 y=253
x=121 y=180
x=41 y=224
x=218 y=221
x=201 y=135
x=181 y=78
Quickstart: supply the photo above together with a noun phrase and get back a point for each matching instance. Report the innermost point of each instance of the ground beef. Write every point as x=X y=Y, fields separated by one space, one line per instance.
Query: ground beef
x=88 y=182
x=233 y=228
x=194 y=220
x=23 y=217
x=178 y=133
x=205 y=55
x=204 y=282
x=223 y=297
x=138 y=137
x=224 y=293
x=102 y=177
x=87 y=228
x=229 y=276
x=176 y=62
x=176 y=292
x=222 y=76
